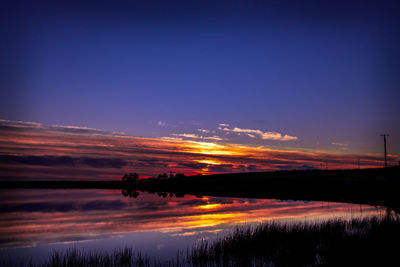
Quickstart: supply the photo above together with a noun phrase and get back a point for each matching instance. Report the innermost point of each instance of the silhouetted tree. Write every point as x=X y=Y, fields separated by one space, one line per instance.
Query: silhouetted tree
x=161 y=176
x=132 y=177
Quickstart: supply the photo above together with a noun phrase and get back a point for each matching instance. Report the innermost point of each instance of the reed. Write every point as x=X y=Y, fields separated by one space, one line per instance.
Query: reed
x=357 y=242
x=74 y=257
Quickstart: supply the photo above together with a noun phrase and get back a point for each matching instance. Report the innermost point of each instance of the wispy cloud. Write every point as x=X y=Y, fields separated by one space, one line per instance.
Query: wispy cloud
x=78 y=129
x=56 y=128
x=195 y=136
x=342 y=146
x=203 y=130
x=263 y=135
x=187 y=135
x=17 y=124
x=63 y=161
x=161 y=123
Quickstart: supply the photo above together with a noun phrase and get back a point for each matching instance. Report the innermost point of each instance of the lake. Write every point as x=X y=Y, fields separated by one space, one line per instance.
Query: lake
x=35 y=222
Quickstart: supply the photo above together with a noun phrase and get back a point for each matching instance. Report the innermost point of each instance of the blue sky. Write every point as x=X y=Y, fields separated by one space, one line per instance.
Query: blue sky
x=327 y=74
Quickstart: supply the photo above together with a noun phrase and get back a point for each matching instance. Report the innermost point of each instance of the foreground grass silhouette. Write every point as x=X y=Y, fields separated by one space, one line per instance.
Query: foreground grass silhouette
x=357 y=242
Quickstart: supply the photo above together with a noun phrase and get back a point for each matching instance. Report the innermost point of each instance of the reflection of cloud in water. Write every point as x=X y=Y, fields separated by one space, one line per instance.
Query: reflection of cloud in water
x=215 y=231
x=31 y=217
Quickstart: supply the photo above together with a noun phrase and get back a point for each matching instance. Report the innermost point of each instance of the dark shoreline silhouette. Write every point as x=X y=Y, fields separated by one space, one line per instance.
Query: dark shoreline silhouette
x=366 y=186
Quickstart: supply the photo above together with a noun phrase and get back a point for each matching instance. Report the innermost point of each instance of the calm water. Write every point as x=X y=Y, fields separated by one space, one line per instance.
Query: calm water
x=36 y=222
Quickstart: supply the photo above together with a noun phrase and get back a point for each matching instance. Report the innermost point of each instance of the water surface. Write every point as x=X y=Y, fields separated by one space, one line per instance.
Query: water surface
x=34 y=222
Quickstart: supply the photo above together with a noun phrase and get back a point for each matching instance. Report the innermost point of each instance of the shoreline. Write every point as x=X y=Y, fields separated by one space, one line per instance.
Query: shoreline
x=363 y=186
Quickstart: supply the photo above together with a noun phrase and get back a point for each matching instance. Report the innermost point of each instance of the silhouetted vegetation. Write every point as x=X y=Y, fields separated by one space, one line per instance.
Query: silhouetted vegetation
x=74 y=257
x=358 y=242
x=132 y=177
x=171 y=176
x=162 y=176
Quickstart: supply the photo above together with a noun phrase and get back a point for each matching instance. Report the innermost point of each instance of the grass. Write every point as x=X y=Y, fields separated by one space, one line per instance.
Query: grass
x=357 y=242
x=74 y=257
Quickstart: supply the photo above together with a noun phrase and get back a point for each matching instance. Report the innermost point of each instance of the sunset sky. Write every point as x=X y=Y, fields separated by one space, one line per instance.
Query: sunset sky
x=196 y=86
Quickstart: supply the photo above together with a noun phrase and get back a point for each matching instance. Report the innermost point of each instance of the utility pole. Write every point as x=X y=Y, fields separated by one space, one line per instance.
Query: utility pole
x=384 y=146
x=359 y=163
